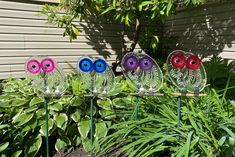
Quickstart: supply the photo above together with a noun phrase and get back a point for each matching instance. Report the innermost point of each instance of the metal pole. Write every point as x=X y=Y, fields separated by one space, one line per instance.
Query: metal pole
x=178 y=110
x=46 y=108
x=91 y=115
x=91 y=126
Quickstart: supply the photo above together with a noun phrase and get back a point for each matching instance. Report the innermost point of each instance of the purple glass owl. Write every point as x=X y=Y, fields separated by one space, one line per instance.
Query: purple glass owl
x=142 y=71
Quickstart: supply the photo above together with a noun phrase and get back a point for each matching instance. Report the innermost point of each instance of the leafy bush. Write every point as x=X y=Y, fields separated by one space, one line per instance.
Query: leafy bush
x=22 y=118
x=207 y=128
x=218 y=80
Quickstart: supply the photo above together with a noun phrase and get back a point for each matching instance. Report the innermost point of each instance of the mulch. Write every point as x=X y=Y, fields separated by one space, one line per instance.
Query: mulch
x=78 y=152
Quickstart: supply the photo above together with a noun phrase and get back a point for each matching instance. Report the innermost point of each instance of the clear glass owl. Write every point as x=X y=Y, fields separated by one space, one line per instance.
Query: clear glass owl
x=96 y=75
x=186 y=71
x=142 y=71
x=48 y=78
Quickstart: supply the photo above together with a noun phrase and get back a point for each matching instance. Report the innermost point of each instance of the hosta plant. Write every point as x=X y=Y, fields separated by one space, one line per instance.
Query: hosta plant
x=22 y=118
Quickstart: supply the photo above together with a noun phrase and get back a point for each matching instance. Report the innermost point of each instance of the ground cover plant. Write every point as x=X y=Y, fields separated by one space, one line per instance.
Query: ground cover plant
x=22 y=119
x=206 y=129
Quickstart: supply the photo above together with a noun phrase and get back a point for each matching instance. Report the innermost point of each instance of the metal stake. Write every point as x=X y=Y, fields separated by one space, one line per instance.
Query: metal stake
x=178 y=110
x=91 y=115
x=46 y=108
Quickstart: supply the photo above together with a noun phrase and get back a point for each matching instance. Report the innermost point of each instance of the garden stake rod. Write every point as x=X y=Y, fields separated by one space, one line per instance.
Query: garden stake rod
x=179 y=95
x=91 y=114
x=178 y=111
x=138 y=97
x=38 y=68
x=46 y=108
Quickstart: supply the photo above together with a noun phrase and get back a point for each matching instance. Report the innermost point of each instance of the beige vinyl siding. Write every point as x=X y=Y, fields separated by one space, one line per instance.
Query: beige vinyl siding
x=25 y=33
x=206 y=30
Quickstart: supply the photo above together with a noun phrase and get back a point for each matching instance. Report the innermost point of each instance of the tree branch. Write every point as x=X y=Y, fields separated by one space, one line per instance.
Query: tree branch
x=136 y=35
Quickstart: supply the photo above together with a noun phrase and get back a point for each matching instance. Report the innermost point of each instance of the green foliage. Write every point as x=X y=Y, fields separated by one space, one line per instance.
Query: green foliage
x=22 y=119
x=216 y=79
x=206 y=128
x=138 y=13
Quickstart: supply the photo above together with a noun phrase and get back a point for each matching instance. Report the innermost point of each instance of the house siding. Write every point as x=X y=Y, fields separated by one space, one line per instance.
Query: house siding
x=24 y=32
x=206 y=30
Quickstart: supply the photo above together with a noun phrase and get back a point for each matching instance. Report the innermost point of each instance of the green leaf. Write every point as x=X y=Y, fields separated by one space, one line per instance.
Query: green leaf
x=169 y=6
x=231 y=133
x=84 y=127
x=87 y=144
x=30 y=109
x=97 y=7
x=36 y=101
x=156 y=38
x=33 y=146
x=62 y=143
x=222 y=140
x=4 y=146
x=22 y=119
x=50 y=126
x=41 y=112
x=77 y=140
x=19 y=102
x=144 y=3
x=107 y=114
x=114 y=3
x=76 y=116
x=61 y=120
x=5 y=104
x=107 y=10
x=231 y=141
x=3 y=126
x=127 y=20
x=105 y=104
x=140 y=7
x=122 y=102
x=75 y=30
x=56 y=107
x=101 y=130
x=17 y=153
x=188 y=142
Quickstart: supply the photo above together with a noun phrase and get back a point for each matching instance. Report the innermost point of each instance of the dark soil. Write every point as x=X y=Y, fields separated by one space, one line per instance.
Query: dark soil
x=78 y=152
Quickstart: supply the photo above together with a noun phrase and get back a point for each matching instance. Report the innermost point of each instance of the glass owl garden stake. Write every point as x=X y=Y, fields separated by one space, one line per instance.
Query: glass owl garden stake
x=47 y=77
x=142 y=71
x=186 y=71
x=96 y=75
x=49 y=80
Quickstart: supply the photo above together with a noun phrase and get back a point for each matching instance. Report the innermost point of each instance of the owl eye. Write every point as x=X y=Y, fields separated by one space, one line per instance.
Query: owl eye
x=48 y=65
x=146 y=63
x=86 y=65
x=131 y=63
x=33 y=66
x=178 y=61
x=100 y=66
x=193 y=62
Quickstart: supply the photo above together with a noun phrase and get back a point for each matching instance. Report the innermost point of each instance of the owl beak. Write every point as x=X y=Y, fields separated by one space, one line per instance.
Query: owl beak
x=138 y=70
x=93 y=72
